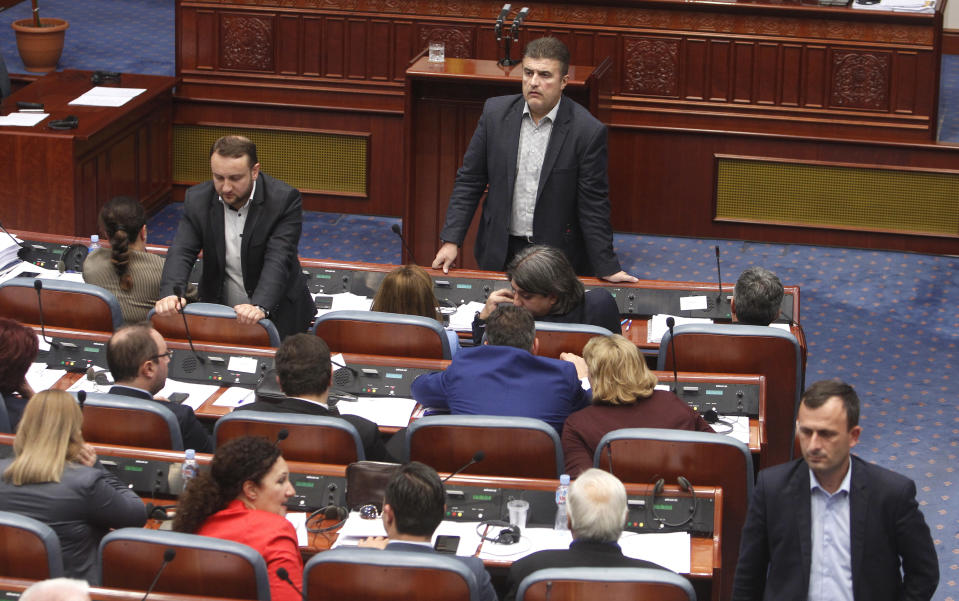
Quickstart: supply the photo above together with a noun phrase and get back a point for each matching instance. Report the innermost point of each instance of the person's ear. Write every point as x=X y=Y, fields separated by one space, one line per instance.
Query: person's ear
x=250 y=490
x=255 y=171
x=143 y=233
x=732 y=307
x=535 y=346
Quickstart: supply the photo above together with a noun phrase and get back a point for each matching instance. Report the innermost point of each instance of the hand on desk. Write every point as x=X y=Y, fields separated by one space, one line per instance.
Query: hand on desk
x=374 y=542
x=445 y=257
x=620 y=276
x=169 y=305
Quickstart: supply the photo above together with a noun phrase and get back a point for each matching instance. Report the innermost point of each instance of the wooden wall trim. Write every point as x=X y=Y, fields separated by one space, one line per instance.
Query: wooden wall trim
x=950 y=41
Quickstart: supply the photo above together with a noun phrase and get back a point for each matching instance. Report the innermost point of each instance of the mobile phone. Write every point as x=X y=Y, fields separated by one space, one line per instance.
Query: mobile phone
x=446 y=543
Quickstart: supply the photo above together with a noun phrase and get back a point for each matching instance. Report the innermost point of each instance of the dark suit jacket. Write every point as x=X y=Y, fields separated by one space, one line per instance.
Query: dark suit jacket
x=271 y=269
x=486 y=591
x=195 y=436
x=369 y=432
x=887 y=532
x=581 y=554
x=502 y=380
x=572 y=202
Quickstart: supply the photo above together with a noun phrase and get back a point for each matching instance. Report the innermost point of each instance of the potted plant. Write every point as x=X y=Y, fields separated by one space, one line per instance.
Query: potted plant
x=40 y=41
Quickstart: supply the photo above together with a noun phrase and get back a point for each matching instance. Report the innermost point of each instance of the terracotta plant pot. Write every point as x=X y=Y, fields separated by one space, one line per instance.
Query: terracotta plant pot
x=40 y=47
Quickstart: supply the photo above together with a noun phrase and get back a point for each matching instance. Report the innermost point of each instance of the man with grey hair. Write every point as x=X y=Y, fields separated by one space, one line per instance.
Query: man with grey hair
x=757 y=297
x=57 y=589
x=504 y=376
x=597 y=514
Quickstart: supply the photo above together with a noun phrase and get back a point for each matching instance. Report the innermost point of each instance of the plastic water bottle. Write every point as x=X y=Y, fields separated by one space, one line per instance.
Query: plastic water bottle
x=561 y=495
x=189 y=466
x=94 y=243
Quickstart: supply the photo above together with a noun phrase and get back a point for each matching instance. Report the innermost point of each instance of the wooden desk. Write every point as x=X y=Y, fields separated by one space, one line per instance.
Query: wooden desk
x=63 y=177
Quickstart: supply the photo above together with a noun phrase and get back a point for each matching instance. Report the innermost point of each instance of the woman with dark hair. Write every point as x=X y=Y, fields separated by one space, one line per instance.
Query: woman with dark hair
x=624 y=396
x=544 y=283
x=242 y=498
x=18 y=351
x=54 y=477
x=409 y=290
x=126 y=269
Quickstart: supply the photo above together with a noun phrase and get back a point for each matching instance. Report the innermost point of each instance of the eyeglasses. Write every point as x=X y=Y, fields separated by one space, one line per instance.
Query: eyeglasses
x=369 y=512
x=168 y=355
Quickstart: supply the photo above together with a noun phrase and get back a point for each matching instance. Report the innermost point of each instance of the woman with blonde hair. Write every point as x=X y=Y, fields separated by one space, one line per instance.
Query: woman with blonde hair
x=624 y=396
x=408 y=290
x=54 y=477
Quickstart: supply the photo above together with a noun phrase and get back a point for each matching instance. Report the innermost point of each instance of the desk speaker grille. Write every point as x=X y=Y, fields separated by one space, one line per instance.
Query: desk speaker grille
x=318 y=162
x=837 y=196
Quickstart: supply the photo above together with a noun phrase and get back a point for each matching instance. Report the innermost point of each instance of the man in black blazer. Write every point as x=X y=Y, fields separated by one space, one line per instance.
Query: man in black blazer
x=304 y=372
x=414 y=504
x=831 y=526
x=544 y=159
x=139 y=359
x=248 y=226
x=597 y=514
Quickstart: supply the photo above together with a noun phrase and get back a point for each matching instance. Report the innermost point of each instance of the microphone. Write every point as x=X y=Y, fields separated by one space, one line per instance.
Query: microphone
x=477 y=457
x=498 y=28
x=38 y=286
x=518 y=21
x=283 y=575
x=81 y=398
x=178 y=291
x=24 y=253
x=719 y=275
x=168 y=556
x=396 y=230
x=282 y=435
x=670 y=322
x=352 y=370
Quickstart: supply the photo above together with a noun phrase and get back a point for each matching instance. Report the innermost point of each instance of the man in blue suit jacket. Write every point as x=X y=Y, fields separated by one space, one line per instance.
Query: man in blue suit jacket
x=414 y=504
x=544 y=159
x=505 y=377
x=830 y=526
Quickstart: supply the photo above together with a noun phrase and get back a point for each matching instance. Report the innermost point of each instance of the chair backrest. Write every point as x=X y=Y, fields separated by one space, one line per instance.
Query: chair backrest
x=211 y=323
x=513 y=446
x=706 y=459
x=205 y=566
x=743 y=349
x=556 y=338
x=66 y=304
x=28 y=548
x=312 y=438
x=387 y=575
x=608 y=584
x=378 y=333
x=123 y=420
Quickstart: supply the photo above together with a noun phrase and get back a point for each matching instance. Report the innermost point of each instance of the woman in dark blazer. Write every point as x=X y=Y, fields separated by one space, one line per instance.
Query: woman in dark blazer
x=18 y=351
x=54 y=477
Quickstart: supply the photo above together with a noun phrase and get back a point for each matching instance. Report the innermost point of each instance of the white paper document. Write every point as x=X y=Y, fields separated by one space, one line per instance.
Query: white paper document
x=693 y=303
x=298 y=519
x=669 y=549
x=235 y=396
x=199 y=393
x=384 y=411
x=462 y=319
x=657 y=326
x=107 y=96
x=345 y=301
x=356 y=529
x=23 y=119
x=41 y=378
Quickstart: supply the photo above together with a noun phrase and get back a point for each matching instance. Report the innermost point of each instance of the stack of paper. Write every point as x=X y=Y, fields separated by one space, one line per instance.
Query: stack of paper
x=657 y=326
x=107 y=96
x=8 y=250
x=908 y=6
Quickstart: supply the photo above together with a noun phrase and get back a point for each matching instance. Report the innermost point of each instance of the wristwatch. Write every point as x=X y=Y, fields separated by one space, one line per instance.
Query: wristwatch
x=266 y=314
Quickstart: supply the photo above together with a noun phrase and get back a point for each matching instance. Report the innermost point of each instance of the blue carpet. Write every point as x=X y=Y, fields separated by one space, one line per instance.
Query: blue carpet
x=883 y=321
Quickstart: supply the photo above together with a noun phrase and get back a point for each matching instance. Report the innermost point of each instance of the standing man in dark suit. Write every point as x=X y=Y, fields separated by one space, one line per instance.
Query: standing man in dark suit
x=248 y=226
x=544 y=159
x=414 y=504
x=138 y=358
x=830 y=526
x=304 y=372
x=597 y=514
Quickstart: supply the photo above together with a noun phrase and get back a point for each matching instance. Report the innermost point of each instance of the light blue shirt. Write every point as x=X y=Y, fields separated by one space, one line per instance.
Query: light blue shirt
x=830 y=572
x=533 y=140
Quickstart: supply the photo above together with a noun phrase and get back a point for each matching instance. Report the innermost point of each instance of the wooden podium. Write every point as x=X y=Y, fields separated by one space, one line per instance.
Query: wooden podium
x=63 y=177
x=443 y=105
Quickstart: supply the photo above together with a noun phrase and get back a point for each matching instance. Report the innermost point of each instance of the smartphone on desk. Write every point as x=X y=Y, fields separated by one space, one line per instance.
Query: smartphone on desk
x=446 y=543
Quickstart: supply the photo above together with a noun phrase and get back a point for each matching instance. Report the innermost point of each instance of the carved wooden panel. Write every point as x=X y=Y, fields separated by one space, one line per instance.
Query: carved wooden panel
x=860 y=79
x=457 y=40
x=651 y=66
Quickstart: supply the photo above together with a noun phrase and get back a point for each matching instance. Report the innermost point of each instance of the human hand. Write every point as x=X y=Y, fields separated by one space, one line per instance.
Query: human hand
x=581 y=370
x=169 y=305
x=25 y=390
x=86 y=456
x=374 y=542
x=503 y=295
x=619 y=276
x=445 y=257
x=248 y=314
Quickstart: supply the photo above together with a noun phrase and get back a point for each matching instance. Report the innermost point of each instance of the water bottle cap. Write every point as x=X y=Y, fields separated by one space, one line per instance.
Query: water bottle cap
x=190 y=454
x=564 y=479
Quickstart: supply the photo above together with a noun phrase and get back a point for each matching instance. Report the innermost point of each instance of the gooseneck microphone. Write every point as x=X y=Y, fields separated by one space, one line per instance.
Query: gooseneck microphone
x=719 y=275
x=477 y=457
x=518 y=22
x=498 y=28
x=24 y=253
x=178 y=291
x=81 y=398
x=168 y=556
x=399 y=232
x=282 y=435
x=283 y=575
x=670 y=323
x=38 y=286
